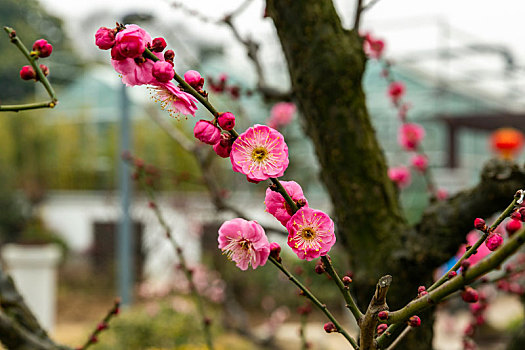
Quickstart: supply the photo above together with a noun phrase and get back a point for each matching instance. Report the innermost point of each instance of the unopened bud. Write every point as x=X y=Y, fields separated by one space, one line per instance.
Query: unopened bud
x=158 y=44
x=275 y=250
x=414 y=321
x=493 y=241
x=27 y=73
x=480 y=224
x=381 y=328
x=347 y=280
x=421 y=289
x=382 y=315
x=465 y=264
x=469 y=295
x=44 y=69
x=319 y=267
x=451 y=274
x=329 y=327
x=512 y=226
x=169 y=55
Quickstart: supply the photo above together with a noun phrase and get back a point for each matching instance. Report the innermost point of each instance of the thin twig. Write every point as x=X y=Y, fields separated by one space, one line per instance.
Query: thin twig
x=357 y=16
x=315 y=301
x=103 y=325
x=399 y=338
x=40 y=77
x=369 y=5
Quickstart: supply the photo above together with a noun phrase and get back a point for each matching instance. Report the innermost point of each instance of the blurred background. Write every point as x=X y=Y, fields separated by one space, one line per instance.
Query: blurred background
x=63 y=179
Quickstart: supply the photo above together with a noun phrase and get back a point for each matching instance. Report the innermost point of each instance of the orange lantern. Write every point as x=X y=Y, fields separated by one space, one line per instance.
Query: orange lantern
x=507 y=142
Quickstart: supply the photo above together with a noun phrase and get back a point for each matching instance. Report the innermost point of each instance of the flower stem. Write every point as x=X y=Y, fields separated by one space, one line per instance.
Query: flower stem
x=315 y=301
x=103 y=325
x=350 y=302
x=40 y=75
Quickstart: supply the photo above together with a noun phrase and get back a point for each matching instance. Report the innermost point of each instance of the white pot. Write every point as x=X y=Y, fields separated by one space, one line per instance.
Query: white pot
x=34 y=271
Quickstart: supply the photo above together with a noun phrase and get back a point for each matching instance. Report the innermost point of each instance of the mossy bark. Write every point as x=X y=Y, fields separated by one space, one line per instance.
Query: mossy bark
x=326 y=65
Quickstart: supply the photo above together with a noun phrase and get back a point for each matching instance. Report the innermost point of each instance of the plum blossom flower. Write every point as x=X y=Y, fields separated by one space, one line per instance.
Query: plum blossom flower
x=282 y=114
x=173 y=100
x=163 y=71
x=420 y=162
x=396 y=90
x=310 y=233
x=105 y=38
x=373 y=47
x=410 y=136
x=260 y=153
x=400 y=176
x=277 y=206
x=244 y=242
x=137 y=71
x=132 y=41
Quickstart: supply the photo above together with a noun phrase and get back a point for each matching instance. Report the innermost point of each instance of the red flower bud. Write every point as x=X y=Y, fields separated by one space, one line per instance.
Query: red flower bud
x=27 y=73
x=421 y=289
x=44 y=69
x=169 y=55
x=414 y=321
x=451 y=274
x=515 y=215
x=275 y=250
x=319 y=267
x=480 y=224
x=512 y=226
x=42 y=48
x=469 y=295
x=226 y=121
x=381 y=328
x=382 y=315
x=347 y=280
x=493 y=241
x=329 y=327
x=158 y=44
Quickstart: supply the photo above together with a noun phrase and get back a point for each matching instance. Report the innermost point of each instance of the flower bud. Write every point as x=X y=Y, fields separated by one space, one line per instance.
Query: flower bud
x=382 y=315
x=522 y=213
x=275 y=250
x=27 y=73
x=421 y=289
x=169 y=55
x=329 y=327
x=512 y=226
x=469 y=331
x=163 y=71
x=194 y=79
x=465 y=264
x=347 y=280
x=469 y=295
x=381 y=328
x=158 y=45
x=105 y=38
x=206 y=132
x=101 y=326
x=226 y=121
x=451 y=274
x=319 y=267
x=223 y=148
x=480 y=224
x=44 y=69
x=493 y=241
x=42 y=48
x=516 y=215
x=414 y=321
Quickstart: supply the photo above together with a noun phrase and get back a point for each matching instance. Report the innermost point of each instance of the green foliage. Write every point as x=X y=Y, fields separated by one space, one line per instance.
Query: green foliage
x=31 y=22
x=162 y=329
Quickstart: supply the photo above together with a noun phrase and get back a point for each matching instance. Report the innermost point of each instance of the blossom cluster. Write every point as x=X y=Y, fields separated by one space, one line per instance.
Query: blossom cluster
x=41 y=49
x=128 y=45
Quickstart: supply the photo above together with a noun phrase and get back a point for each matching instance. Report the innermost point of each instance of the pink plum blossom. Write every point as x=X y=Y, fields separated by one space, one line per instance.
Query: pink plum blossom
x=132 y=41
x=373 y=47
x=260 y=153
x=310 y=233
x=226 y=121
x=396 y=90
x=400 y=176
x=135 y=71
x=277 y=206
x=410 y=136
x=244 y=242
x=105 y=38
x=420 y=162
x=282 y=114
x=173 y=100
x=163 y=71
x=206 y=132
x=195 y=79
x=493 y=241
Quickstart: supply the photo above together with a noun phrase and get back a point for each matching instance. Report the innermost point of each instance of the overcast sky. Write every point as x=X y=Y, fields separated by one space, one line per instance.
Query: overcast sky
x=409 y=26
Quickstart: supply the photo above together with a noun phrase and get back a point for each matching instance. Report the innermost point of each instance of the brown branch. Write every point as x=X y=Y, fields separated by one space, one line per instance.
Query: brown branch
x=369 y=321
x=357 y=17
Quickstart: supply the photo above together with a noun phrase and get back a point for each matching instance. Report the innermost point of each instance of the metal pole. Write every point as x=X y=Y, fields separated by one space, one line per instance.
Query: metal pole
x=124 y=240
